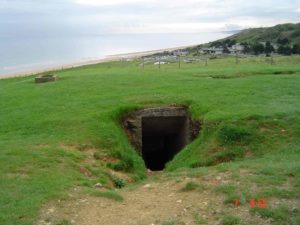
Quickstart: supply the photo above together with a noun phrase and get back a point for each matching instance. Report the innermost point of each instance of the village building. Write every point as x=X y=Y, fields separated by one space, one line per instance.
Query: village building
x=236 y=49
x=180 y=52
x=212 y=50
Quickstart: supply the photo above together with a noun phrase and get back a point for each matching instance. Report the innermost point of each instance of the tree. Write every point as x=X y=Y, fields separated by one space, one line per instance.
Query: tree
x=226 y=42
x=296 y=49
x=216 y=44
x=247 y=48
x=229 y=42
x=258 y=48
x=269 y=48
x=225 y=50
x=284 y=50
x=283 y=41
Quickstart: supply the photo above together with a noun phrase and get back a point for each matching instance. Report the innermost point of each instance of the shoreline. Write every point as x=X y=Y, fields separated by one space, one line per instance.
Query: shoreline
x=107 y=58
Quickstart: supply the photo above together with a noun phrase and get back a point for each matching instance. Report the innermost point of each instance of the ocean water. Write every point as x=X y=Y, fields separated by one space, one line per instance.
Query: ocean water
x=23 y=54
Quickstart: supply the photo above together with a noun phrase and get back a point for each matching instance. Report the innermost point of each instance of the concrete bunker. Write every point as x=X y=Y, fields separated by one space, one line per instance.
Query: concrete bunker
x=158 y=134
x=45 y=78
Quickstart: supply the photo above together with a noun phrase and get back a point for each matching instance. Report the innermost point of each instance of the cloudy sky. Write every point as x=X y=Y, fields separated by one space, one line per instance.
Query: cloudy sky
x=81 y=17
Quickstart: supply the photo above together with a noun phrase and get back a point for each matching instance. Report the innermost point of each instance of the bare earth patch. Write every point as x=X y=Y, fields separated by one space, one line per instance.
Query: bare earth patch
x=158 y=201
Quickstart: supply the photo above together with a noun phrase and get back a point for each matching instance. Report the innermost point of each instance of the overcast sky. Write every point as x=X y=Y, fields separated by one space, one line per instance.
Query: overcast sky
x=54 y=17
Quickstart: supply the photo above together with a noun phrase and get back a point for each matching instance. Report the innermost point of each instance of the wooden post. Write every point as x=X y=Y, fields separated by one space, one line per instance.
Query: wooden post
x=159 y=62
x=272 y=61
x=179 y=62
x=236 y=56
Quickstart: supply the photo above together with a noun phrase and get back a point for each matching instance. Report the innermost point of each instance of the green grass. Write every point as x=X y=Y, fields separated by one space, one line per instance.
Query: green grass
x=226 y=189
x=288 y=30
x=282 y=215
x=108 y=194
x=250 y=121
x=198 y=219
x=231 y=220
x=171 y=222
x=191 y=186
x=62 y=222
x=231 y=198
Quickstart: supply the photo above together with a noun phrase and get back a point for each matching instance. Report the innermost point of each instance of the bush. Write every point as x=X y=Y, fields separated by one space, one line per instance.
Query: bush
x=126 y=164
x=118 y=182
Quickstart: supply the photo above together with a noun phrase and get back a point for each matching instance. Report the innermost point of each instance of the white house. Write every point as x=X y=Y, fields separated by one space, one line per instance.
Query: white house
x=236 y=49
x=212 y=50
x=180 y=52
x=160 y=63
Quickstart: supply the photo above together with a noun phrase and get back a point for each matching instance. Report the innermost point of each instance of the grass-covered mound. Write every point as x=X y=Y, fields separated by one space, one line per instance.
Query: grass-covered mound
x=54 y=136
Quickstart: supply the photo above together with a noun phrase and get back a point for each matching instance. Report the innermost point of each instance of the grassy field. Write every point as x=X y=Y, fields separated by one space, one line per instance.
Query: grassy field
x=250 y=113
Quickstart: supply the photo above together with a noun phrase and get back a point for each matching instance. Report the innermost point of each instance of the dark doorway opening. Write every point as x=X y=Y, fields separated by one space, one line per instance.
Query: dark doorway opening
x=162 y=138
x=158 y=134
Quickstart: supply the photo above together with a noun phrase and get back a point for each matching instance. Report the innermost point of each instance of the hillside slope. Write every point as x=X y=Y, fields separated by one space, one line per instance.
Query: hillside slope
x=272 y=34
x=66 y=135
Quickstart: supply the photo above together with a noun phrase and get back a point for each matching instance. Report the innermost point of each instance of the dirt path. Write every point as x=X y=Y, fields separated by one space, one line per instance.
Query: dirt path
x=159 y=201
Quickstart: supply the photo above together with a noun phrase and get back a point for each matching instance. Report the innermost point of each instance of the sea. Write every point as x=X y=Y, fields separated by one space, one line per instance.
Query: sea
x=32 y=53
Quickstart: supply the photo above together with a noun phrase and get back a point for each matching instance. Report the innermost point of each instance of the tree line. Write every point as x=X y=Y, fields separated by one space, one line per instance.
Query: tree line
x=283 y=47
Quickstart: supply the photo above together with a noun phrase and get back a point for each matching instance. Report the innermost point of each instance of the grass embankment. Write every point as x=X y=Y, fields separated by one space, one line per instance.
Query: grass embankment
x=57 y=135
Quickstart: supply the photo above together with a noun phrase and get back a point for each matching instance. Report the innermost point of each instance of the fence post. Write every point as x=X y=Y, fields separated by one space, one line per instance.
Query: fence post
x=236 y=55
x=272 y=61
x=159 y=62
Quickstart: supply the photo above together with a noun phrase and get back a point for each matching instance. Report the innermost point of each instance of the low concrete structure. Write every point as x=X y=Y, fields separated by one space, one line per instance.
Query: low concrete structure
x=45 y=78
x=160 y=133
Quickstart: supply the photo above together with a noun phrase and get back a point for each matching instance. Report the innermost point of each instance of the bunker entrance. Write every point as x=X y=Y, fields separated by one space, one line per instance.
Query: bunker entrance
x=158 y=134
x=162 y=138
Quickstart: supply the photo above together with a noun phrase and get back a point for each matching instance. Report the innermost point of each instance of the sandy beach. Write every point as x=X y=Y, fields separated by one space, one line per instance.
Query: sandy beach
x=108 y=58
